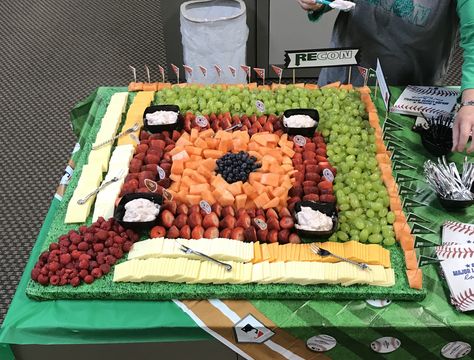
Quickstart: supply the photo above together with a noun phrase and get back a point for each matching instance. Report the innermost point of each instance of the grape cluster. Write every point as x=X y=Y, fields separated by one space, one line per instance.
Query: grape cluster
x=236 y=167
x=237 y=101
x=361 y=194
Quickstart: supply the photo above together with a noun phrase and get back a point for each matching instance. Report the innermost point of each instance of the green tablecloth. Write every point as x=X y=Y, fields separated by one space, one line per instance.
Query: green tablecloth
x=423 y=328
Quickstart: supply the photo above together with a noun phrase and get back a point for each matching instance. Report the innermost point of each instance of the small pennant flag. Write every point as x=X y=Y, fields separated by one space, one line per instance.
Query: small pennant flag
x=246 y=70
x=188 y=70
x=426 y=260
x=176 y=71
x=232 y=70
x=203 y=70
x=147 y=70
x=362 y=71
x=134 y=72
x=261 y=73
x=278 y=71
x=218 y=70
x=162 y=72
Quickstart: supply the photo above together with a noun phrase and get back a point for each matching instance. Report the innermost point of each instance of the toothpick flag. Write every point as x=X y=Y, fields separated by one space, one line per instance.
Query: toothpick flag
x=203 y=70
x=162 y=72
x=218 y=70
x=233 y=70
x=188 y=69
x=278 y=71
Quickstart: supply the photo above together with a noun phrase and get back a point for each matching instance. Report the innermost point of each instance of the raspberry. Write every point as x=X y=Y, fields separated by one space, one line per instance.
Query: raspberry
x=89 y=279
x=63 y=281
x=72 y=247
x=105 y=268
x=65 y=259
x=63 y=237
x=83 y=246
x=63 y=249
x=75 y=238
x=106 y=226
x=91 y=252
x=97 y=273
x=84 y=264
x=98 y=247
x=83 y=273
x=120 y=229
x=44 y=256
x=54 y=280
x=54 y=266
x=116 y=252
x=75 y=281
x=93 y=264
x=83 y=229
x=109 y=242
x=84 y=257
x=69 y=266
x=102 y=235
x=53 y=246
x=119 y=240
x=100 y=220
x=43 y=279
x=35 y=273
x=100 y=258
x=64 y=243
x=127 y=245
x=89 y=237
x=75 y=254
x=110 y=259
x=44 y=270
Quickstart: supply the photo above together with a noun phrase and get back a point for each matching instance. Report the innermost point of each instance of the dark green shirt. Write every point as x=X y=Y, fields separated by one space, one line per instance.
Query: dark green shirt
x=412 y=38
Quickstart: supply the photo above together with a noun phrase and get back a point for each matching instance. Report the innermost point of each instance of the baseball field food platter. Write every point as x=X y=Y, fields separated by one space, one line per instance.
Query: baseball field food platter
x=343 y=162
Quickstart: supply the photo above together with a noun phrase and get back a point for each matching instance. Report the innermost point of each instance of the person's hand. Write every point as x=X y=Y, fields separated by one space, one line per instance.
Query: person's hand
x=463 y=126
x=309 y=5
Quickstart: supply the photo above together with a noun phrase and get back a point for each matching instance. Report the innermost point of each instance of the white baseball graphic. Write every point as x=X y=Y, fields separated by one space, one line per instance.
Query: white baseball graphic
x=385 y=345
x=378 y=303
x=321 y=343
x=455 y=350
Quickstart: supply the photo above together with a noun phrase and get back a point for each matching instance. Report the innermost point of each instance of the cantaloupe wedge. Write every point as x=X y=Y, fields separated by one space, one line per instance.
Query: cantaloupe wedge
x=415 y=278
x=332 y=85
x=410 y=260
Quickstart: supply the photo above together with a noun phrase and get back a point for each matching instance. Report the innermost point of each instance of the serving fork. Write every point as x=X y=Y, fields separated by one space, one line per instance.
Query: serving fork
x=323 y=253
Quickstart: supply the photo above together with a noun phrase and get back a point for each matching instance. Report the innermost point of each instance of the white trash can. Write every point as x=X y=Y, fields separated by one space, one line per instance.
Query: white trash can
x=214 y=32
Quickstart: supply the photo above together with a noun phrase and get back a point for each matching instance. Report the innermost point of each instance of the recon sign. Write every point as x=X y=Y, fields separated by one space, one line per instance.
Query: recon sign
x=295 y=59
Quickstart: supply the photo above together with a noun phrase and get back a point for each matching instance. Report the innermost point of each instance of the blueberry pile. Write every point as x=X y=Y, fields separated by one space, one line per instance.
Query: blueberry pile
x=236 y=167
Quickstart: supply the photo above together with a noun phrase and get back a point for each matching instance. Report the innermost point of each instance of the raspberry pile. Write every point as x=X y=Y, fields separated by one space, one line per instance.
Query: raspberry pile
x=84 y=255
x=236 y=167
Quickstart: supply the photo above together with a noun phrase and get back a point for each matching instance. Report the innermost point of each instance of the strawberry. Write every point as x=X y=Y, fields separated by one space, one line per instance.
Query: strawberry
x=228 y=210
x=273 y=224
x=194 y=219
x=171 y=206
x=310 y=190
x=262 y=235
x=217 y=209
x=167 y=218
x=310 y=197
x=250 y=234
x=197 y=232
x=180 y=221
x=173 y=232
x=210 y=220
x=272 y=236
x=327 y=198
x=237 y=234
x=283 y=236
x=182 y=209
x=271 y=213
x=243 y=221
x=225 y=233
x=312 y=177
x=286 y=222
x=185 y=232
x=211 y=233
x=284 y=212
x=228 y=222
x=157 y=232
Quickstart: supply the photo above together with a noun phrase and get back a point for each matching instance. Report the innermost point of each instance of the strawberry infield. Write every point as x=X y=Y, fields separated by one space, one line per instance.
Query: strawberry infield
x=188 y=166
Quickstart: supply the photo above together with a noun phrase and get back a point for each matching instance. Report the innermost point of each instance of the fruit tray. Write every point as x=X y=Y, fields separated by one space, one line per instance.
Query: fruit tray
x=105 y=288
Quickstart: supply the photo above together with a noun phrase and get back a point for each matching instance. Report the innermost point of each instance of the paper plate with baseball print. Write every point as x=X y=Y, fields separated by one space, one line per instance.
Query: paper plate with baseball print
x=321 y=343
x=385 y=345
x=456 y=350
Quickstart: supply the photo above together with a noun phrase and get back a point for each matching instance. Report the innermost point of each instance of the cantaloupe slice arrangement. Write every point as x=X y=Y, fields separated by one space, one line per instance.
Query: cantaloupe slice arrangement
x=400 y=226
x=194 y=161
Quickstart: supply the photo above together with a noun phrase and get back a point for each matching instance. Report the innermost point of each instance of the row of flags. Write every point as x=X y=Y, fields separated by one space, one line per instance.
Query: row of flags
x=366 y=73
x=189 y=70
